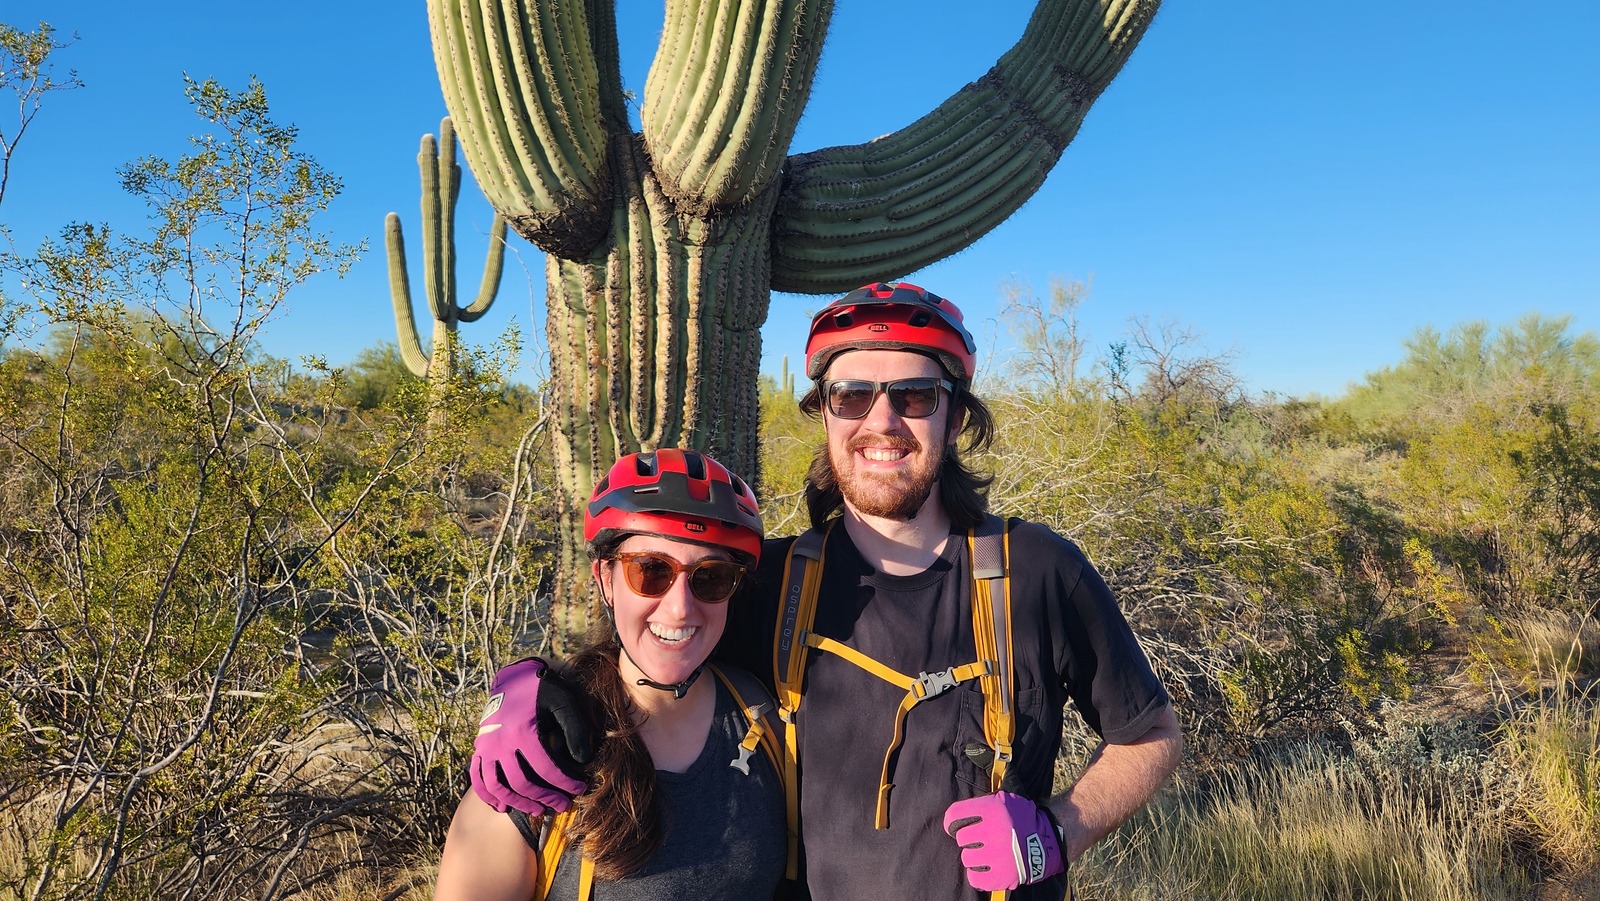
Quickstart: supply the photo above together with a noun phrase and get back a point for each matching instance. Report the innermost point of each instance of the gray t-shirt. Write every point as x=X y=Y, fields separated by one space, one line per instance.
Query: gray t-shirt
x=726 y=835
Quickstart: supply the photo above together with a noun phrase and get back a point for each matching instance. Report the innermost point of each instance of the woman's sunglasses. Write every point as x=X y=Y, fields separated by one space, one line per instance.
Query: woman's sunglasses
x=651 y=575
x=910 y=398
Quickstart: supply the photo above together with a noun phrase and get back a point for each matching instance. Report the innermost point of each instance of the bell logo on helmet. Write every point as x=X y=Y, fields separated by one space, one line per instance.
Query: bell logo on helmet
x=877 y=327
x=694 y=526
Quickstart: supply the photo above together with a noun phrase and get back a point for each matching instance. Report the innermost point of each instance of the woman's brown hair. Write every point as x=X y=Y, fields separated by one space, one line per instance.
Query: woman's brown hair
x=619 y=817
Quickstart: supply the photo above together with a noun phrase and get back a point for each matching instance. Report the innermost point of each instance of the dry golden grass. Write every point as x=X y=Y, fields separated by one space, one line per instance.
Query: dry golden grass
x=1427 y=812
x=1555 y=742
x=1311 y=825
x=1556 y=645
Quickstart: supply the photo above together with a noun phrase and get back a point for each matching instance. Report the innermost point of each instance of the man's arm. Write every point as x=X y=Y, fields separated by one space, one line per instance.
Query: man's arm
x=1119 y=780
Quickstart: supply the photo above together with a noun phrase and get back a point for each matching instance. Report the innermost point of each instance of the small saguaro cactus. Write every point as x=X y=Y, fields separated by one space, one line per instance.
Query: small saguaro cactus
x=441 y=185
x=663 y=245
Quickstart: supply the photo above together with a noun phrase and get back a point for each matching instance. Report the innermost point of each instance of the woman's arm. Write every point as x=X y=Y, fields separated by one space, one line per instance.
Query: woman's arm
x=485 y=858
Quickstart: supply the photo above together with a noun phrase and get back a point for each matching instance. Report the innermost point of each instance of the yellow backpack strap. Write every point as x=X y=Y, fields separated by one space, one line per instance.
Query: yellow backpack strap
x=991 y=629
x=585 y=879
x=555 y=844
x=989 y=546
x=917 y=688
x=802 y=581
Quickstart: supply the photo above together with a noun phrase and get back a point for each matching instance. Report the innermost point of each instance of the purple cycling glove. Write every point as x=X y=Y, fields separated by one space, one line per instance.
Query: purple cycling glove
x=1006 y=841
x=533 y=741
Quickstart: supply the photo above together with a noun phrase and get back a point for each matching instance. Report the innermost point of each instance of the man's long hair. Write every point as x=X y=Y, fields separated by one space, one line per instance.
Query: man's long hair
x=963 y=491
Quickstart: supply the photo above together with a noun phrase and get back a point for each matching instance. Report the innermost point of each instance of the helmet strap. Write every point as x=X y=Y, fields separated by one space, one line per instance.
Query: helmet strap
x=678 y=689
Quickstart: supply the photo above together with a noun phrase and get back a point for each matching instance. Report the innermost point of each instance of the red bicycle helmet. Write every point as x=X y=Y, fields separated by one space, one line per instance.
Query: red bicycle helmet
x=676 y=494
x=893 y=317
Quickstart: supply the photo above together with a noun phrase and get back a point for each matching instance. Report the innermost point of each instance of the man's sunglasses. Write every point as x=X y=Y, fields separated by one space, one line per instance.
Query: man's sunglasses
x=910 y=398
x=651 y=575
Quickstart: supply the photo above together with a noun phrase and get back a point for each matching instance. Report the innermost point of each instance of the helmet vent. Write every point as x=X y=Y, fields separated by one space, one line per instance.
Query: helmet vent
x=696 y=466
x=920 y=318
x=604 y=486
x=844 y=320
x=644 y=464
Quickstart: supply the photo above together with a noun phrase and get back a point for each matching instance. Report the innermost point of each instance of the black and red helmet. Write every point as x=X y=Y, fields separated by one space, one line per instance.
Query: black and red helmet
x=891 y=317
x=682 y=495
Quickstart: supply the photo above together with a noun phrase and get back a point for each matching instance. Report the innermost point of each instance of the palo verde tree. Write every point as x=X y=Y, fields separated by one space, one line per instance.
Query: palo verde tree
x=664 y=245
x=26 y=72
x=441 y=187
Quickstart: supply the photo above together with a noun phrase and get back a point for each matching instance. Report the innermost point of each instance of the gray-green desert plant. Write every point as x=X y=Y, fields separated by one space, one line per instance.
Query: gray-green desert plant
x=664 y=244
x=441 y=186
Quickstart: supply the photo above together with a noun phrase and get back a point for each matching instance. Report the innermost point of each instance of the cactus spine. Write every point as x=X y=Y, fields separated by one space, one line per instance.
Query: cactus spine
x=664 y=245
x=441 y=186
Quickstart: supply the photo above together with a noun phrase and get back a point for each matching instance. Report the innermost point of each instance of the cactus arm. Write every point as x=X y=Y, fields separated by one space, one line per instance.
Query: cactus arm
x=400 y=292
x=725 y=93
x=435 y=225
x=449 y=193
x=603 y=43
x=850 y=215
x=521 y=83
x=491 y=274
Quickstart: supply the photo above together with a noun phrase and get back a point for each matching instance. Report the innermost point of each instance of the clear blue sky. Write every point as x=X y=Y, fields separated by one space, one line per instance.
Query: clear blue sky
x=1306 y=182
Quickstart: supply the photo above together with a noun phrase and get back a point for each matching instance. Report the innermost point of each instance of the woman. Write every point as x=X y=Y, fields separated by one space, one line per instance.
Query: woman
x=670 y=813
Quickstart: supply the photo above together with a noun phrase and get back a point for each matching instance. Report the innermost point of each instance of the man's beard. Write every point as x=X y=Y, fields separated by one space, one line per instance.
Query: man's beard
x=886 y=496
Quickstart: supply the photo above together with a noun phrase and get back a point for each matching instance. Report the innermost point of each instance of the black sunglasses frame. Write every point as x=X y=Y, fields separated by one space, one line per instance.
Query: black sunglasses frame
x=685 y=570
x=885 y=388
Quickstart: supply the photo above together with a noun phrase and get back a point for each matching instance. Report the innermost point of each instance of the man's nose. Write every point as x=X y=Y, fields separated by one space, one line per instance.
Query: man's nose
x=881 y=416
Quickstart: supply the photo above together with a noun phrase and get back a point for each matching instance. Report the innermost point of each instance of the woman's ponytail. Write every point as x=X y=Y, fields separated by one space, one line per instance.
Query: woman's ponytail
x=619 y=818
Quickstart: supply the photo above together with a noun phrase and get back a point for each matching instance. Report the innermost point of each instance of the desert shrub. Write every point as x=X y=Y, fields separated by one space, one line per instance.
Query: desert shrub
x=245 y=625
x=1262 y=600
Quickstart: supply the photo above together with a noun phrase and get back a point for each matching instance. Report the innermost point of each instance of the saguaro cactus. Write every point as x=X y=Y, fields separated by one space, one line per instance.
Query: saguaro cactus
x=663 y=246
x=441 y=185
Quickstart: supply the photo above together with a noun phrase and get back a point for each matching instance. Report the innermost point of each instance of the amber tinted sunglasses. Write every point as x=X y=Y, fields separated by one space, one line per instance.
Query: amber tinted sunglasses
x=651 y=575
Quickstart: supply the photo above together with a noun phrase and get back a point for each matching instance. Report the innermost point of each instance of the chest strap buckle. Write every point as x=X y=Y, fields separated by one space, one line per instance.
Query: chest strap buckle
x=932 y=685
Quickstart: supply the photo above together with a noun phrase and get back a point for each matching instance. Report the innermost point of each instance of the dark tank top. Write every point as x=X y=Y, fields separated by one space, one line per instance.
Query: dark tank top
x=725 y=832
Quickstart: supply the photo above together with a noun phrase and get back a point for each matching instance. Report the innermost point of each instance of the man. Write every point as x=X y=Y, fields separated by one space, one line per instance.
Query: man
x=888 y=776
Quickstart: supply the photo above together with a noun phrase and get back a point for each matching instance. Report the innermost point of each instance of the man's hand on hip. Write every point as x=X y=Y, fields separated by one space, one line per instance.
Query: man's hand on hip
x=1006 y=841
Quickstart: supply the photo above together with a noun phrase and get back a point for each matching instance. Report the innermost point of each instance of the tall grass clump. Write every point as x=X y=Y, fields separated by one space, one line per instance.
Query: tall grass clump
x=1315 y=823
x=1555 y=742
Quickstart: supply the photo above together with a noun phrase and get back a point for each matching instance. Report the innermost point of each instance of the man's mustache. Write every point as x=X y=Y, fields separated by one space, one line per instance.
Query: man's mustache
x=898 y=442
